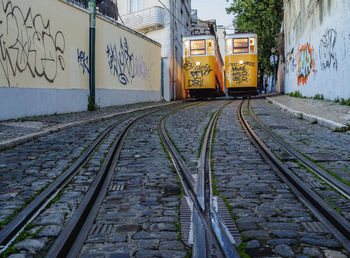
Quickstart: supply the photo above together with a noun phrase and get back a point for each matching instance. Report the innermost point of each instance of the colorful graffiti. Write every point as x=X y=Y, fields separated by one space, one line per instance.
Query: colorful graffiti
x=83 y=61
x=27 y=43
x=125 y=66
x=328 y=57
x=305 y=63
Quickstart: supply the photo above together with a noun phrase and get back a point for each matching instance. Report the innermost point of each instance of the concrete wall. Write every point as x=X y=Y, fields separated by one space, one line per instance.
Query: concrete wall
x=317 y=47
x=44 y=60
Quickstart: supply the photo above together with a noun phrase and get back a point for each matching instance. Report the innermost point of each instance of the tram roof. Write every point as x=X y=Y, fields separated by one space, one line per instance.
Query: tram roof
x=199 y=37
x=241 y=35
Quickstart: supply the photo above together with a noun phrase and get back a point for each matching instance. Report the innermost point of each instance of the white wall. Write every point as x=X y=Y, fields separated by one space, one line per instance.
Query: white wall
x=323 y=26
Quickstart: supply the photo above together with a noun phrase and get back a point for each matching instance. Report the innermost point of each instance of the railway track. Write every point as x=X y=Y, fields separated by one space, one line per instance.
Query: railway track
x=211 y=236
x=335 y=223
x=10 y=231
x=73 y=235
x=314 y=168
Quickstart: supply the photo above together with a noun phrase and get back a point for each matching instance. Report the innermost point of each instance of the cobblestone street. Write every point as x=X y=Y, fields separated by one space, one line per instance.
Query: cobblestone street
x=140 y=213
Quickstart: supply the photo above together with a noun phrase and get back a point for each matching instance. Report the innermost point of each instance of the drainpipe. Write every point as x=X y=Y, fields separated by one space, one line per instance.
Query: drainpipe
x=174 y=53
x=92 y=8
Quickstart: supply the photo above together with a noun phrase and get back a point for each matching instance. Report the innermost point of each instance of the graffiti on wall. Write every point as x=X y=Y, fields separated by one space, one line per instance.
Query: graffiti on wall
x=198 y=73
x=328 y=57
x=305 y=63
x=83 y=61
x=126 y=66
x=239 y=73
x=28 y=44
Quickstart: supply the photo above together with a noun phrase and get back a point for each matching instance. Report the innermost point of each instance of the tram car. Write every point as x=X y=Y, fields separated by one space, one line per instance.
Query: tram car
x=241 y=64
x=202 y=67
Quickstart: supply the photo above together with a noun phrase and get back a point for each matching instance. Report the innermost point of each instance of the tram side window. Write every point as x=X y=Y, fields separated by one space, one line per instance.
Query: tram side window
x=187 y=48
x=198 y=47
x=228 y=46
x=210 y=47
x=252 y=45
x=241 y=45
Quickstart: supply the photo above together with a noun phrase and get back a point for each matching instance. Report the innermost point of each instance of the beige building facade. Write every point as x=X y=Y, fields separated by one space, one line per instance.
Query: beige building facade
x=44 y=66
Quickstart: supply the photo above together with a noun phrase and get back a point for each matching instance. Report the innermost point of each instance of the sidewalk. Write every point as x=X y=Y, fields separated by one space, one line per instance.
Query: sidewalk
x=19 y=131
x=327 y=113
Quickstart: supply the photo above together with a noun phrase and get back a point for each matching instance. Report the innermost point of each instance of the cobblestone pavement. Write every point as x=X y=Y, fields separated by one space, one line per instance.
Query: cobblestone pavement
x=328 y=149
x=26 y=169
x=19 y=127
x=270 y=218
x=187 y=135
x=140 y=213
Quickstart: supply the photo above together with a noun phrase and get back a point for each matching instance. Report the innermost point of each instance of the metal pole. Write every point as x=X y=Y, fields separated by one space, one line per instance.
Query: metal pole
x=92 y=8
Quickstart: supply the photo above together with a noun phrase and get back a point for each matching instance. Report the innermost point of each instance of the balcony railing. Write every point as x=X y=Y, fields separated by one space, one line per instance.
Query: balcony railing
x=106 y=8
x=145 y=20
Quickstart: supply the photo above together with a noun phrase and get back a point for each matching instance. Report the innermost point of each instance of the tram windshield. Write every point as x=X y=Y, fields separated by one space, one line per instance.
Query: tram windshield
x=241 y=45
x=198 y=47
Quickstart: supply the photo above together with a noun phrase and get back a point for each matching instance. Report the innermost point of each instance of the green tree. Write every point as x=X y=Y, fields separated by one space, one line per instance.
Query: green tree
x=263 y=17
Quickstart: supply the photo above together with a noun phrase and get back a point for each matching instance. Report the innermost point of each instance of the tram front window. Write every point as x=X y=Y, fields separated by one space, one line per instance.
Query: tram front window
x=197 y=47
x=240 y=45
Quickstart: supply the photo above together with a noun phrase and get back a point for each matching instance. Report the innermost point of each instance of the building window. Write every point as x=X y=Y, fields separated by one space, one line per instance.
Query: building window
x=197 y=47
x=136 y=5
x=241 y=45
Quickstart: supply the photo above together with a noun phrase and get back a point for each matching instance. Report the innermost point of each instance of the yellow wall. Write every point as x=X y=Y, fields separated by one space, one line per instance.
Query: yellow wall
x=50 y=50
x=241 y=75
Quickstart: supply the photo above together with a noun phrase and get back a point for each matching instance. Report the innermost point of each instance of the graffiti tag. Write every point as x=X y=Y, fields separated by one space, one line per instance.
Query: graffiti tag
x=197 y=73
x=83 y=61
x=305 y=63
x=327 y=53
x=188 y=65
x=124 y=65
x=239 y=73
x=28 y=44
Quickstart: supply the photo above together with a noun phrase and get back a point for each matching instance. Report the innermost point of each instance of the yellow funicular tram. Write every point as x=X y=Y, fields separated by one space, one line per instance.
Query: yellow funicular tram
x=241 y=64
x=202 y=67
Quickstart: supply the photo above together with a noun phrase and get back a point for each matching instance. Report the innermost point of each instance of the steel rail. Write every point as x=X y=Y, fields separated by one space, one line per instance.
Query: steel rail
x=201 y=247
x=73 y=235
x=331 y=180
x=188 y=184
x=29 y=213
x=205 y=179
x=335 y=223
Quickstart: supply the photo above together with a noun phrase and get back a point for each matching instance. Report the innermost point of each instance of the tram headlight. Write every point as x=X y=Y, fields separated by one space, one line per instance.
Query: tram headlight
x=198 y=63
x=241 y=61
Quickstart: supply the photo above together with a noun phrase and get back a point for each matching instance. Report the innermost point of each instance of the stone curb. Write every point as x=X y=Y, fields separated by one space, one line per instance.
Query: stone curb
x=311 y=118
x=56 y=128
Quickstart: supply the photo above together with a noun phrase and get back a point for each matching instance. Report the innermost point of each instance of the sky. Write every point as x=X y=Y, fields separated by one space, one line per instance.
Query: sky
x=213 y=9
